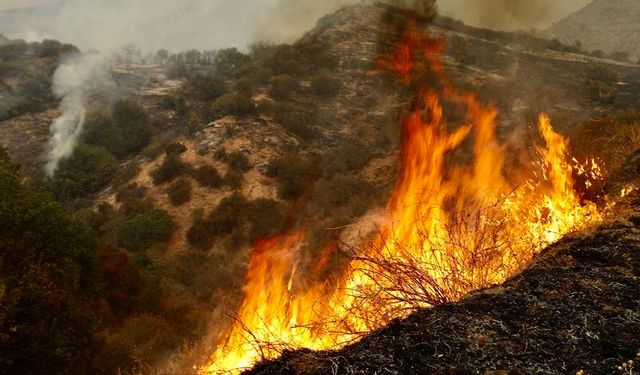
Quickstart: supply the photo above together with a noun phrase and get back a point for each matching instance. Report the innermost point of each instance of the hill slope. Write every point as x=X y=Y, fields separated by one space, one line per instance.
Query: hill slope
x=576 y=308
x=610 y=26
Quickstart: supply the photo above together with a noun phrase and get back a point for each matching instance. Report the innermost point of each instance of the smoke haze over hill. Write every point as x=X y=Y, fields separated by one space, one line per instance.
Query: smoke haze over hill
x=211 y=24
x=510 y=14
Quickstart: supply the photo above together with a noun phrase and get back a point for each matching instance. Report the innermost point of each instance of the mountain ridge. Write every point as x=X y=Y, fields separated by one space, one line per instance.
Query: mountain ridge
x=594 y=27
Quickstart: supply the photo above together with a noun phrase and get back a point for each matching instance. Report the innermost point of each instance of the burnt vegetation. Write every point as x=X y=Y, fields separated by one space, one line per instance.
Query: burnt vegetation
x=576 y=308
x=103 y=285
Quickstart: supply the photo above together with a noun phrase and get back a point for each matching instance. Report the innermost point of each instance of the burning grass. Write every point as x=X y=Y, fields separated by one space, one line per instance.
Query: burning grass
x=574 y=310
x=450 y=228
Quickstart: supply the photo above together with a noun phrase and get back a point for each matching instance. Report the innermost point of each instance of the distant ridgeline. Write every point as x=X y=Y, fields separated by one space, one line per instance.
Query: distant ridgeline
x=606 y=28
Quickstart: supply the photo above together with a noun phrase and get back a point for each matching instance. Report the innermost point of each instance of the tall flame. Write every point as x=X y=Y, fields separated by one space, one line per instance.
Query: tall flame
x=450 y=228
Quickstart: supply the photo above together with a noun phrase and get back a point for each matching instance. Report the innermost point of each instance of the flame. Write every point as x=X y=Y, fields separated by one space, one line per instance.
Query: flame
x=450 y=228
x=627 y=190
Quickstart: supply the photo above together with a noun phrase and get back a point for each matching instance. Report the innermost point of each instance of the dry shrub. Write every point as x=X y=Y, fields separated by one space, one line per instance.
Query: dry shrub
x=208 y=176
x=614 y=141
x=400 y=278
x=180 y=192
x=171 y=167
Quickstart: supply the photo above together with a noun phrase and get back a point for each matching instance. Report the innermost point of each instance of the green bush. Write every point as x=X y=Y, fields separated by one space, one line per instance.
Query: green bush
x=295 y=119
x=230 y=215
x=283 y=59
x=125 y=173
x=145 y=230
x=233 y=104
x=208 y=176
x=325 y=84
x=101 y=131
x=87 y=171
x=180 y=192
x=134 y=125
x=175 y=103
x=294 y=174
x=244 y=85
x=125 y=133
x=284 y=86
x=133 y=200
x=230 y=62
x=227 y=219
x=206 y=88
x=171 y=167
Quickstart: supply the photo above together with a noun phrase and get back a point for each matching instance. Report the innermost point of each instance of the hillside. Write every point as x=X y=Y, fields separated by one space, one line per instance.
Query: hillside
x=609 y=26
x=202 y=155
x=575 y=308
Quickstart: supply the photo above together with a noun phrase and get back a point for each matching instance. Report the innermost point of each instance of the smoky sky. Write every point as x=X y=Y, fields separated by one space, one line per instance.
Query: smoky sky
x=210 y=24
x=510 y=14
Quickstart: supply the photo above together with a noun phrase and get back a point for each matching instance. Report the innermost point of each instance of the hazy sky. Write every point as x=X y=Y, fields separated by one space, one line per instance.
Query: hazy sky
x=510 y=14
x=209 y=24
x=15 y=4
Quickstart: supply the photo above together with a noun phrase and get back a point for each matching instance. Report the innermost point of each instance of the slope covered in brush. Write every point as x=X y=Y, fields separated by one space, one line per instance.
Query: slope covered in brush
x=609 y=26
x=577 y=307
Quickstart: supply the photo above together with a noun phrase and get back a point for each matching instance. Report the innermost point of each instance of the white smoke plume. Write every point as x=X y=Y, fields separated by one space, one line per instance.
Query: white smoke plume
x=74 y=82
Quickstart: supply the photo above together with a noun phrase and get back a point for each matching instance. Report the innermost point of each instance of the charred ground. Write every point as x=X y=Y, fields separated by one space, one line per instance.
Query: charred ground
x=575 y=308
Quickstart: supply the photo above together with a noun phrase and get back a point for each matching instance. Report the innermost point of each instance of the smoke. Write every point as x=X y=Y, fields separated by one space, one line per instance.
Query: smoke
x=210 y=24
x=510 y=14
x=74 y=82
x=106 y=25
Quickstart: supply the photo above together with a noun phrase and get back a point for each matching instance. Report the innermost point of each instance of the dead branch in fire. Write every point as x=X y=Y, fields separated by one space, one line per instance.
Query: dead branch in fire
x=467 y=256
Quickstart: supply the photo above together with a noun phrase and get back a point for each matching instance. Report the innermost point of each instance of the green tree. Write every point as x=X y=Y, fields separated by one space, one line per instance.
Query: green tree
x=134 y=125
x=230 y=62
x=125 y=133
x=87 y=171
x=101 y=131
x=48 y=284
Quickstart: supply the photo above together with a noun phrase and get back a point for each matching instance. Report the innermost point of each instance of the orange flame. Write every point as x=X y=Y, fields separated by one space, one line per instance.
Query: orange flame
x=450 y=228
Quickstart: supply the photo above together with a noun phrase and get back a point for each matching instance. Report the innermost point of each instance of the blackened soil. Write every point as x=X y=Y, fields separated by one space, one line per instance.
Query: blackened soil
x=577 y=307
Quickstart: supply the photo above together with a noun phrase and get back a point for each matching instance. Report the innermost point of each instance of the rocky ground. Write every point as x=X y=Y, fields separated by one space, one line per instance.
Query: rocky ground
x=577 y=307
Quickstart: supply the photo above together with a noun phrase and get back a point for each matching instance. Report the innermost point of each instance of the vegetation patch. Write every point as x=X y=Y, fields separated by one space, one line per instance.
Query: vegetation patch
x=145 y=230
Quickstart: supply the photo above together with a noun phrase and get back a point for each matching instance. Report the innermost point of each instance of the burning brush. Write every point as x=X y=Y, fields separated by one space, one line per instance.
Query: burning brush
x=449 y=229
